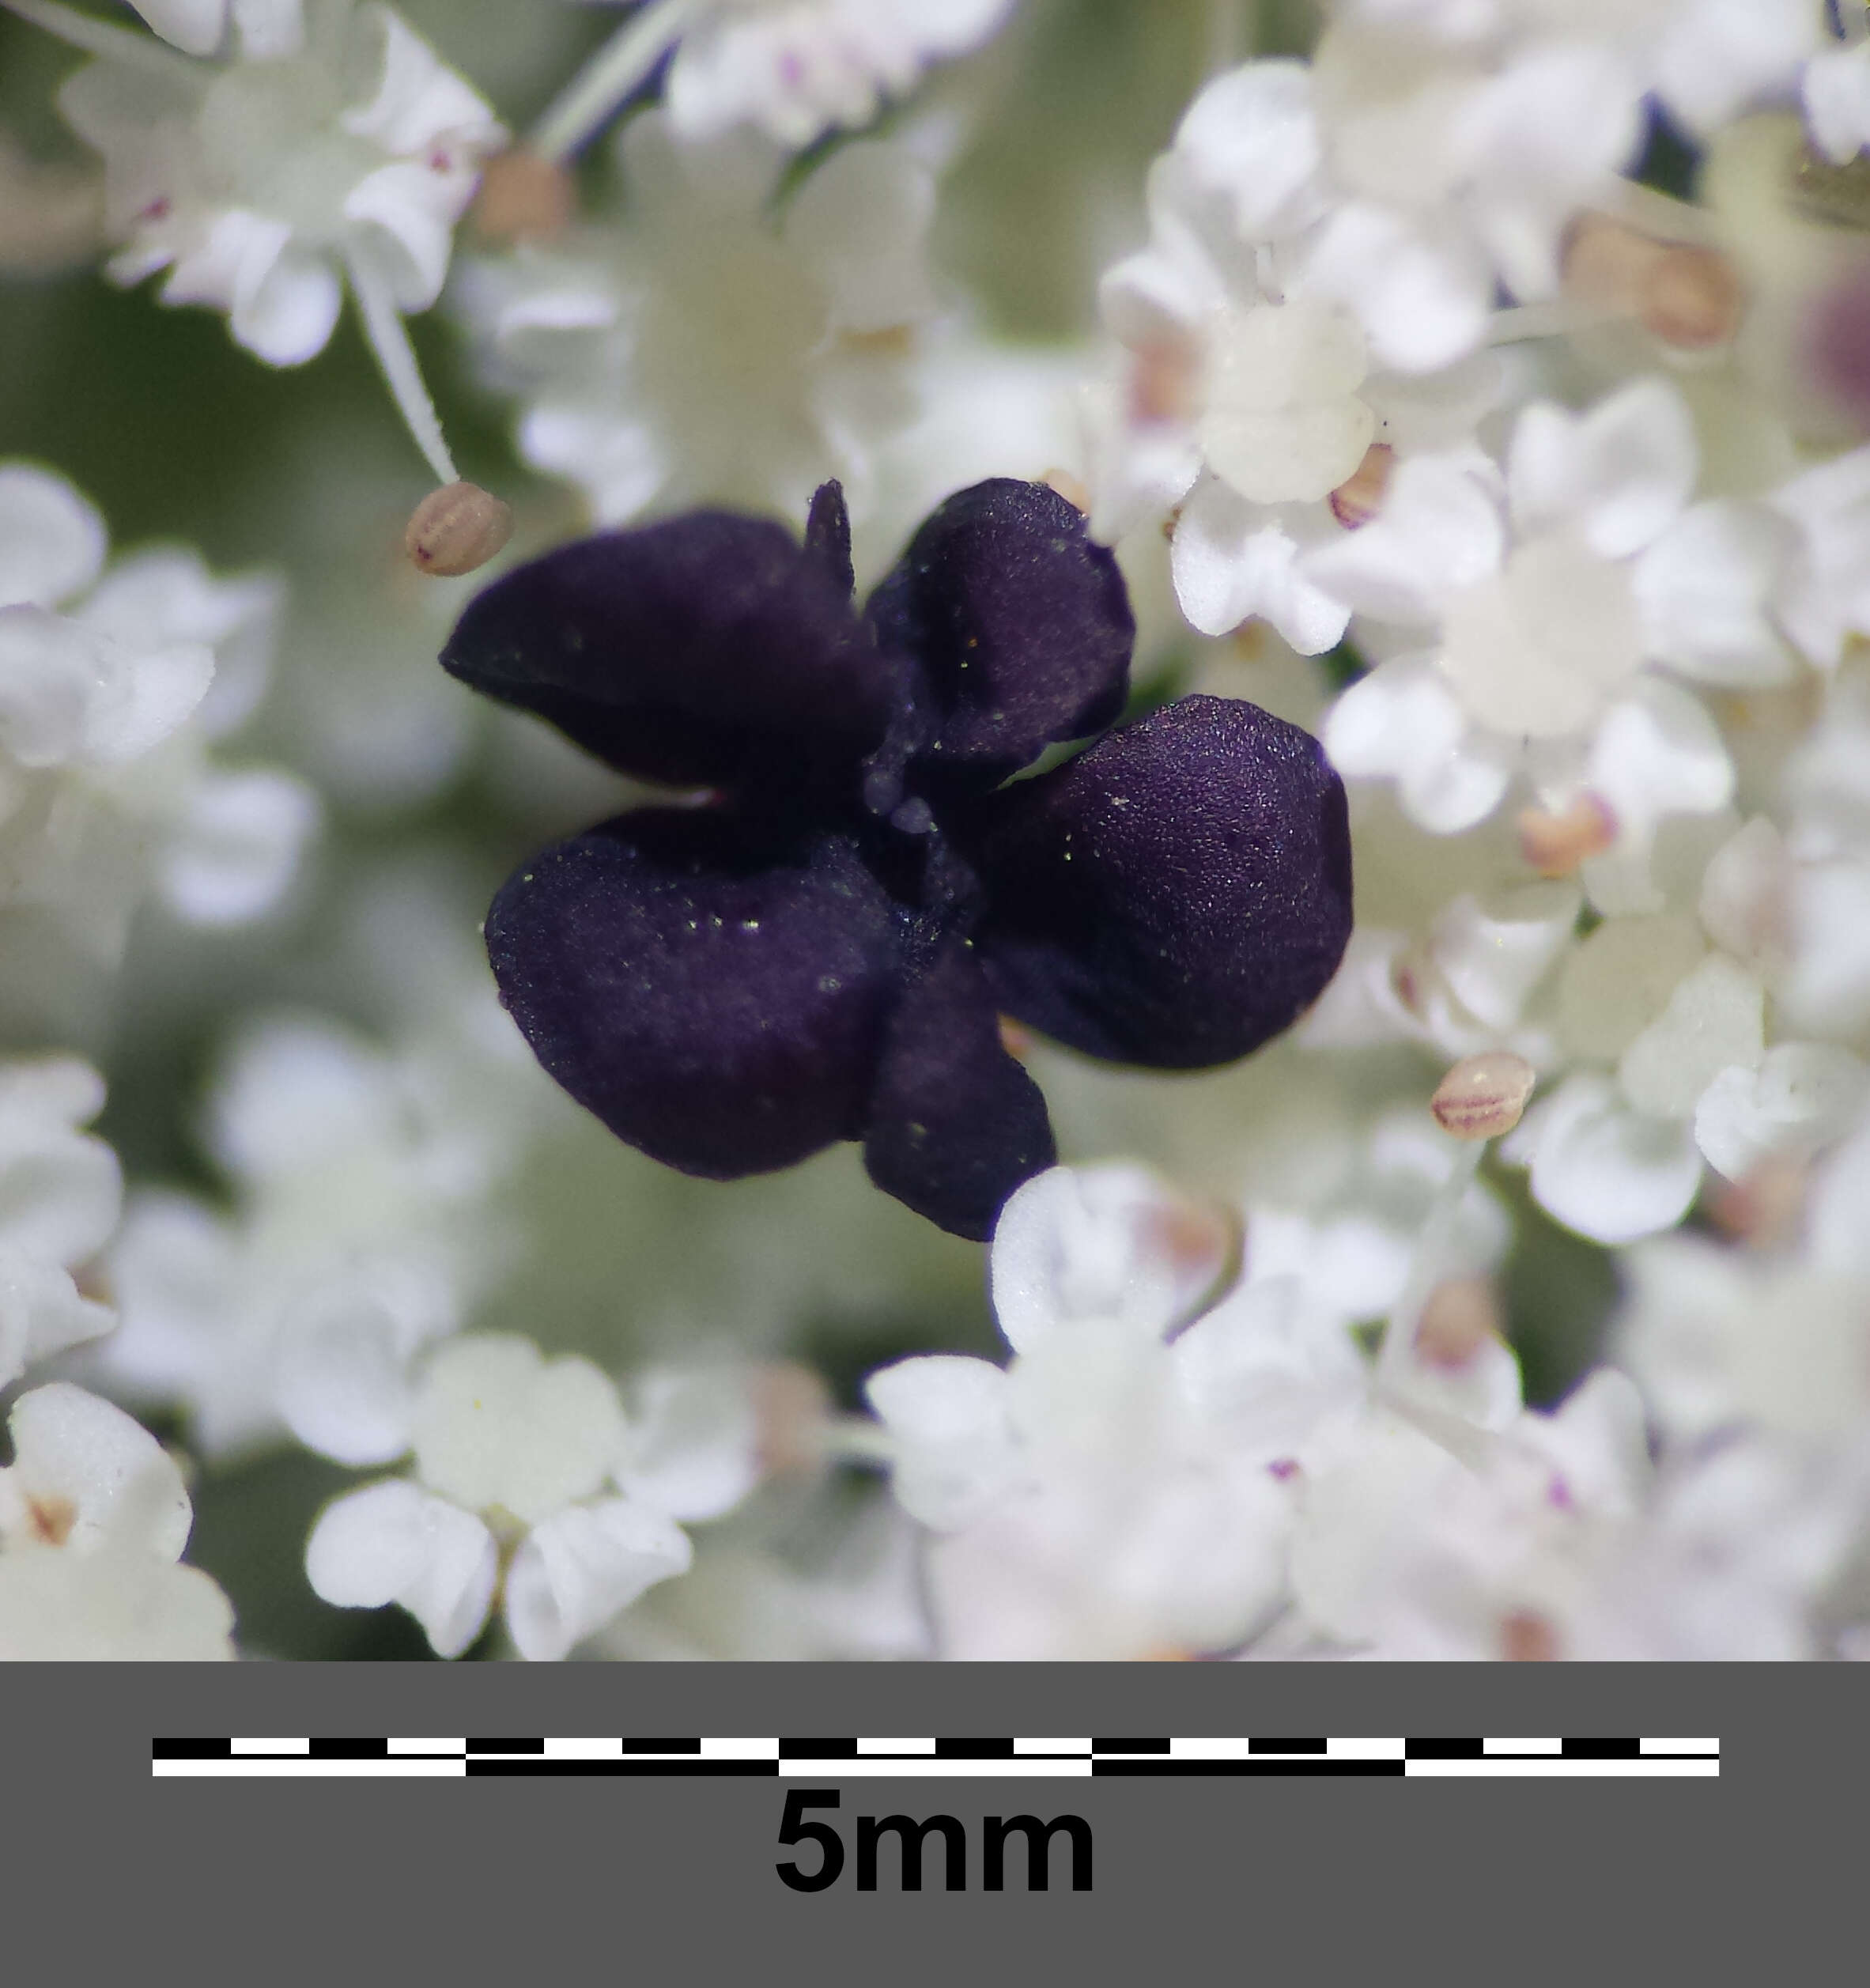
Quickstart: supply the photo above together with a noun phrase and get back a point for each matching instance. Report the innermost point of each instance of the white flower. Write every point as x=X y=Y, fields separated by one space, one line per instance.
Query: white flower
x=1250 y=394
x=365 y=1222
x=793 y=67
x=1497 y=1561
x=1111 y=1492
x=1553 y=615
x=93 y=1518
x=330 y=147
x=517 y=1470
x=698 y=354
x=106 y=789
x=60 y=1194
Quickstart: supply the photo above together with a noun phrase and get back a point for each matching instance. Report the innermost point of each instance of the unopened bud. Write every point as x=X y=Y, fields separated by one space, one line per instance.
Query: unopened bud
x=1016 y=1038
x=1766 y=1210
x=791 y=1411
x=1357 y=499
x=1692 y=298
x=1162 y=382
x=523 y=198
x=1555 y=845
x=1458 y=1319
x=1526 y=1637
x=455 y=529
x=1483 y=1096
x=1068 y=486
x=1687 y=295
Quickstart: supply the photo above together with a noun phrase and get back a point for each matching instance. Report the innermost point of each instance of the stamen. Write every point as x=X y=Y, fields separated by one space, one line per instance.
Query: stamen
x=1484 y=1096
x=1428 y=1264
x=111 y=43
x=1459 y=1318
x=1071 y=488
x=389 y=340
x=1684 y=292
x=1556 y=843
x=456 y=529
x=523 y=198
x=1359 y=498
x=591 y=99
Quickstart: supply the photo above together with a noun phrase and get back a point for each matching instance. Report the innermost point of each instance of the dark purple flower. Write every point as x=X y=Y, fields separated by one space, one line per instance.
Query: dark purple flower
x=824 y=950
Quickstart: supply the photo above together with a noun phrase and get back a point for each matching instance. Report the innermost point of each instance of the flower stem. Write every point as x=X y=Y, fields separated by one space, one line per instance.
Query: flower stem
x=389 y=340
x=589 y=101
x=101 y=39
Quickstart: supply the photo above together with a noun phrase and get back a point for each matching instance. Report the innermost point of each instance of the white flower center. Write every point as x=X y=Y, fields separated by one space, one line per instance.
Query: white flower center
x=1283 y=424
x=1535 y=649
x=271 y=141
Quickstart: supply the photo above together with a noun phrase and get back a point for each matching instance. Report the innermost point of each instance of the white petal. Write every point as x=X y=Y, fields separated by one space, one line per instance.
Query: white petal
x=402 y=218
x=50 y=667
x=1403 y=723
x=1620 y=474
x=1492 y=953
x=167 y=597
x=237 y=845
x=1422 y=292
x=60 y=1192
x=1716 y=1018
x=52 y=542
x=1252 y=134
x=861 y=222
x=1439 y=531
x=115 y=1476
x=1836 y=89
x=1827 y=988
x=342 y=1377
x=269 y=30
x=1713 y=56
x=1231 y=559
x=1078 y=1244
x=1604 y=1170
x=693 y=1450
x=954 y=1449
x=419 y=102
x=391 y=1542
x=584 y=1566
x=1802 y=1097
x=1268 y=1363
x=42 y=1312
x=194 y=26
x=1657 y=752
x=1703 y=587
x=142 y=698
x=496 y=1424
x=286 y=312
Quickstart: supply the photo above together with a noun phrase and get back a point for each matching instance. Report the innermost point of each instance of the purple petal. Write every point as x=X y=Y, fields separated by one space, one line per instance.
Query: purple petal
x=1176 y=894
x=827 y=535
x=955 y=1122
x=709 y=650
x=717 y=1003
x=1020 y=625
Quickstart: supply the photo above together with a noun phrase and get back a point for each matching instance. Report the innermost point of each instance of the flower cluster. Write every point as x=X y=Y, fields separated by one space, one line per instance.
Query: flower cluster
x=1435 y=450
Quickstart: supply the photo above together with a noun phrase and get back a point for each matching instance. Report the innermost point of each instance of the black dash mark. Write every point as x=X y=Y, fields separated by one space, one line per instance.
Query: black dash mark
x=818 y=1749
x=349 y=1750
x=973 y=1749
x=1444 y=1749
x=1129 y=1746
x=659 y=1746
x=1603 y=1749
x=191 y=1749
